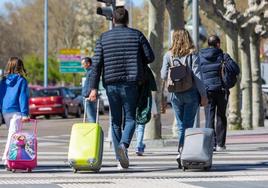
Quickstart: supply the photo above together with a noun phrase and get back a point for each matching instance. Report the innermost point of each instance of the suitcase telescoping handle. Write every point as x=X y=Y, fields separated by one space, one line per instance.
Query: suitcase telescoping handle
x=97 y=111
x=33 y=122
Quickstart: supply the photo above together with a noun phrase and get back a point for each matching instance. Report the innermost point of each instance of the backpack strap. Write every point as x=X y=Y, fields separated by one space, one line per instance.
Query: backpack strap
x=222 y=71
x=171 y=60
x=191 y=61
x=222 y=65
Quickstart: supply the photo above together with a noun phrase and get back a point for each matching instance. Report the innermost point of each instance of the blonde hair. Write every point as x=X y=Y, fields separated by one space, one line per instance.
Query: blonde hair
x=182 y=43
x=15 y=66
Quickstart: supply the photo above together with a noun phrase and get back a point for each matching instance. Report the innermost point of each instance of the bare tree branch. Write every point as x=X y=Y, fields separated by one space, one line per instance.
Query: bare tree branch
x=256 y=8
x=210 y=8
x=231 y=12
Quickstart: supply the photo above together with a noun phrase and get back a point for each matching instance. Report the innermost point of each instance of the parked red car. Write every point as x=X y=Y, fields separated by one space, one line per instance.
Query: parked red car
x=54 y=101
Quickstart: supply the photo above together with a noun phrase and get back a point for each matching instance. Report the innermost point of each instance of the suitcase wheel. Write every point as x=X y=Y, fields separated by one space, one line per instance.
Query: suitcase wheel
x=13 y=170
x=207 y=168
x=184 y=168
x=74 y=170
x=8 y=169
x=29 y=170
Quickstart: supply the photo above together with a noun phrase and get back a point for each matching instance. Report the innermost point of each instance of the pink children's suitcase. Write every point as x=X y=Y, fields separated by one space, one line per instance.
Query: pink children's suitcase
x=22 y=152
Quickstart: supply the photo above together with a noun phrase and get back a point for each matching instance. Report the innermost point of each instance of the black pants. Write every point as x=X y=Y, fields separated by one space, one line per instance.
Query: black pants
x=217 y=103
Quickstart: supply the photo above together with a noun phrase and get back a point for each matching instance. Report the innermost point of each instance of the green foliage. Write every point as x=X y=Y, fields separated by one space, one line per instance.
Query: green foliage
x=54 y=76
x=35 y=69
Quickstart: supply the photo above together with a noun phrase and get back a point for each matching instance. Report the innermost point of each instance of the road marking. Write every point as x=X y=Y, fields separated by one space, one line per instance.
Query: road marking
x=241 y=162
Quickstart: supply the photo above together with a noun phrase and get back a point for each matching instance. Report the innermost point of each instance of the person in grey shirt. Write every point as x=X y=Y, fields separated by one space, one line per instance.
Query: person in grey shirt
x=185 y=104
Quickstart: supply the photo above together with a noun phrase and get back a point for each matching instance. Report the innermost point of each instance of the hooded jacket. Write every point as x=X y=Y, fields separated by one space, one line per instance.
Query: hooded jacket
x=14 y=95
x=211 y=64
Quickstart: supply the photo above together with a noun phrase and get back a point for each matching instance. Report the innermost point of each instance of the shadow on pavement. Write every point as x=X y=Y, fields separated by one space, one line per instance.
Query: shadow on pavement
x=134 y=169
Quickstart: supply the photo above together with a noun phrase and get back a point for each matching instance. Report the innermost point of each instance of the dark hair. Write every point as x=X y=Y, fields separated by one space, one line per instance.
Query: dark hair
x=213 y=40
x=15 y=66
x=120 y=16
x=87 y=60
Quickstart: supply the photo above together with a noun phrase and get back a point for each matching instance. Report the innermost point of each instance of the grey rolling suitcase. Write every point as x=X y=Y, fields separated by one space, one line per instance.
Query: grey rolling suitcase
x=197 y=151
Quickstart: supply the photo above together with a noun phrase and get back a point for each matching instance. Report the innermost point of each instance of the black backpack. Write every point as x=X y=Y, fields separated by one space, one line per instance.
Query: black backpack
x=179 y=75
x=230 y=71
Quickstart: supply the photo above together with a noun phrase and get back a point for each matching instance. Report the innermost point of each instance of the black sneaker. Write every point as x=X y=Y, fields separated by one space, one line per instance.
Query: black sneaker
x=123 y=157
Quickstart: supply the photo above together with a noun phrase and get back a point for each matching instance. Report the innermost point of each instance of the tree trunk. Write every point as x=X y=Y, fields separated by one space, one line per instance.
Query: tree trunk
x=234 y=115
x=156 y=32
x=176 y=14
x=246 y=82
x=257 y=102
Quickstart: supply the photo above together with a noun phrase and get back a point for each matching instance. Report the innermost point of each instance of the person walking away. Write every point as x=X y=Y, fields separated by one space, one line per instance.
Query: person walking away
x=120 y=55
x=184 y=100
x=14 y=96
x=211 y=59
x=90 y=105
x=144 y=108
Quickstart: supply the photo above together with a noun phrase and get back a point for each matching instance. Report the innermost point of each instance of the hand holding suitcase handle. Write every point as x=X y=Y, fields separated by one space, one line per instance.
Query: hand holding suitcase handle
x=97 y=111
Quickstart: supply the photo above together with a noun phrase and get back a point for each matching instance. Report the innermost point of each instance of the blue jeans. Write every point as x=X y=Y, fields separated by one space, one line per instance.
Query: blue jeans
x=123 y=103
x=185 y=105
x=91 y=111
x=139 y=135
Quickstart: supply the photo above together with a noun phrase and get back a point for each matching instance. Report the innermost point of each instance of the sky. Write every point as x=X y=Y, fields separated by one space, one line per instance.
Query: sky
x=2 y=2
x=138 y=2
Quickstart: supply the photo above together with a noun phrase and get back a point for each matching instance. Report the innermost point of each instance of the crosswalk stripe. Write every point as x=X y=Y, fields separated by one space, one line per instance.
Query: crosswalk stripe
x=152 y=156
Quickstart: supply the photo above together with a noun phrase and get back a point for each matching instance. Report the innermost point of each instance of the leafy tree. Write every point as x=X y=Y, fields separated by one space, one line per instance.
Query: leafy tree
x=35 y=68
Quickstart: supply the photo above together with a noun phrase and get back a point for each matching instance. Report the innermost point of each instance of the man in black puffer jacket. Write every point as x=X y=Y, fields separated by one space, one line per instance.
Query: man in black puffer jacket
x=120 y=56
x=211 y=60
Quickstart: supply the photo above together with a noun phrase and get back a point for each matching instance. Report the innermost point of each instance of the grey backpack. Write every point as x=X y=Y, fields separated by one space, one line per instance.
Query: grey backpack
x=179 y=75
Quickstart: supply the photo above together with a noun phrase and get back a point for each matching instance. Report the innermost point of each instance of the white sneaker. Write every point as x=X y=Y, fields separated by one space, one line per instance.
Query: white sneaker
x=220 y=149
x=119 y=167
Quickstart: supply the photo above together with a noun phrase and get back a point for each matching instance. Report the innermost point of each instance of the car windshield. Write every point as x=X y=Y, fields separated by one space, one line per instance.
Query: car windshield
x=46 y=93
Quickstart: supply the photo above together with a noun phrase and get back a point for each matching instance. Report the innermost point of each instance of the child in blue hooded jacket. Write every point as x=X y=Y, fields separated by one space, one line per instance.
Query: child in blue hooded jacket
x=14 y=96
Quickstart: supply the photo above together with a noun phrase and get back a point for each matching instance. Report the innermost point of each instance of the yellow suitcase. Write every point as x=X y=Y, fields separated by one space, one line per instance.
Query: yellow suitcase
x=86 y=146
